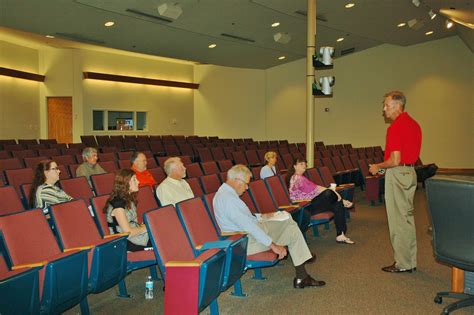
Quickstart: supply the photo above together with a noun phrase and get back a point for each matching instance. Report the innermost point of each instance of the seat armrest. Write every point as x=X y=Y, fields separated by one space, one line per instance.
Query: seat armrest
x=88 y=247
x=302 y=200
x=116 y=235
x=192 y=263
x=233 y=233
x=217 y=244
x=32 y=265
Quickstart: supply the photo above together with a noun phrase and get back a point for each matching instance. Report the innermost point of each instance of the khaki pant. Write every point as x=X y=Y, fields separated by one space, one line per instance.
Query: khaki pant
x=284 y=233
x=400 y=186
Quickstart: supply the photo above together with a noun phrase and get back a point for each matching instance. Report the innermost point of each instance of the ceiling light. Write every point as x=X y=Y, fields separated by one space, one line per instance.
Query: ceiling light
x=275 y=24
x=416 y=3
x=432 y=14
x=340 y=39
x=401 y=24
x=51 y=36
x=281 y=57
x=349 y=5
x=212 y=46
x=109 y=23
x=429 y=33
x=449 y=24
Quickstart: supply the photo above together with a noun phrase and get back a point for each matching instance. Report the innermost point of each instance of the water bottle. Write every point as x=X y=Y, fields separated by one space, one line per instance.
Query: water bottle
x=381 y=171
x=149 y=288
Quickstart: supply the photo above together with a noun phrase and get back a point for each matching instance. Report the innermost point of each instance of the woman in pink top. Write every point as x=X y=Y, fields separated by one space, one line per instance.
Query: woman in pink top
x=322 y=199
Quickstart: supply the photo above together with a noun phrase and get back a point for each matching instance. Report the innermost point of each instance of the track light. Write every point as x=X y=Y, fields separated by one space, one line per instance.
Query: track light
x=449 y=24
x=432 y=14
x=416 y=3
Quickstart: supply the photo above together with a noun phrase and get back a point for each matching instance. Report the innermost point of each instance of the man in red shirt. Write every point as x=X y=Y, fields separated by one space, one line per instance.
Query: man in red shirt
x=402 y=149
x=144 y=176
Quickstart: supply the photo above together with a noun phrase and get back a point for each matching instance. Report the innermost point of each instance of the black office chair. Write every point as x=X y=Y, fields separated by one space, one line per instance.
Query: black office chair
x=451 y=206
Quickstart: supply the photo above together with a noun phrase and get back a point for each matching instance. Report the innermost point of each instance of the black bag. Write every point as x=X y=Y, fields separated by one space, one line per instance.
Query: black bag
x=426 y=171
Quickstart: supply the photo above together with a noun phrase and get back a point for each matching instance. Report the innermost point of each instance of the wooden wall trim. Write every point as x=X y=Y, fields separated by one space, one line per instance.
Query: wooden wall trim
x=22 y=74
x=455 y=171
x=138 y=80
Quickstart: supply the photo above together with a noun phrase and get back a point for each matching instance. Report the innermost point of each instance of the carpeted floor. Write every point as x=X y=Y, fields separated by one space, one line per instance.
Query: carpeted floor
x=355 y=283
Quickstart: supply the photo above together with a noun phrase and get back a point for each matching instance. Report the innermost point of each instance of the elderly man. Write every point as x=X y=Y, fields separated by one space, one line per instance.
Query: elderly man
x=402 y=149
x=144 y=176
x=174 y=188
x=90 y=166
x=233 y=215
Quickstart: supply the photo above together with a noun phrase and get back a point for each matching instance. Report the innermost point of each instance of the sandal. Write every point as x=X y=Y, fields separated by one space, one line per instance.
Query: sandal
x=347 y=203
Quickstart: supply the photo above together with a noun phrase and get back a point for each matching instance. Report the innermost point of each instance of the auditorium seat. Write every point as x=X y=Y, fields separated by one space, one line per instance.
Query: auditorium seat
x=39 y=248
x=193 y=170
x=109 y=166
x=64 y=159
x=146 y=201
x=195 y=186
x=205 y=155
x=210 y=167
x=32 y=162
x=49 y=152
x=225 y=165
x=103 y=183
x=21 y=154
x=19 y=176
x=210 y=183
x=171 y=245
x=10 y=201
x=77 y=188
x=158 y=174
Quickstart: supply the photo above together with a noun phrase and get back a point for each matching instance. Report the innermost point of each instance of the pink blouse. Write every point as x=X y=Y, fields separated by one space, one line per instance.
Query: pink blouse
x=303 y=188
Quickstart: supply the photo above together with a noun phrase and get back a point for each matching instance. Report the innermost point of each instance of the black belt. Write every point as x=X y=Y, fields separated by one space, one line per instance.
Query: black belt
x=405 y=164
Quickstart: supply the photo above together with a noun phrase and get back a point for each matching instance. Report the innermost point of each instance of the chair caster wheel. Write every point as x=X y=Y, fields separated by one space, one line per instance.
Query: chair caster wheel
x=438 y=300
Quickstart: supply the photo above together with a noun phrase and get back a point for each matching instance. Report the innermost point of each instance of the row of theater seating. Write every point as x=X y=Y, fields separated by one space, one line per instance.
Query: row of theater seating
x=188 y=229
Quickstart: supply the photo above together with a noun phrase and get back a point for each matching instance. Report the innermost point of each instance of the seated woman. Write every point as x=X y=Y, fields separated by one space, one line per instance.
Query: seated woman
x=322 y=199
x=269 y=169
x=44 y=191
x=121 y=211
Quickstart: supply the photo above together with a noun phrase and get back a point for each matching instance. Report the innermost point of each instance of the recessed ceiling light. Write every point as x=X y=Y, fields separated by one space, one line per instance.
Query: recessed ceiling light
x=449 y=24
x=49 y=36
x=281 y=57
x=340 y=39
x=109 y=23
x=349 y=5
x=429 y=33
x=276 y=24
x=212 y=46
x=401 y=24
x=432 y=14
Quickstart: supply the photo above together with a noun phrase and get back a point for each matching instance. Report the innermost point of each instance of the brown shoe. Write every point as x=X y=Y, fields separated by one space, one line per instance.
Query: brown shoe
x=393 y=269
x=307 y=282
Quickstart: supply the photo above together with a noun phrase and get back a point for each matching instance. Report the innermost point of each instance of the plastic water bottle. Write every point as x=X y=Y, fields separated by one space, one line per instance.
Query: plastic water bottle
x=149 y=288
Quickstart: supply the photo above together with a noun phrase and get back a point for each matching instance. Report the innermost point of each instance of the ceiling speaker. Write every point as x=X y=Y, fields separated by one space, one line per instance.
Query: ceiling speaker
x=169 y=10
x=415 y=24
x=282 y=38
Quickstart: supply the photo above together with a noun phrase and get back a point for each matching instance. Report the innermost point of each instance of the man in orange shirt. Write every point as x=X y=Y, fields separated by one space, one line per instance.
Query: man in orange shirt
x=144 y=176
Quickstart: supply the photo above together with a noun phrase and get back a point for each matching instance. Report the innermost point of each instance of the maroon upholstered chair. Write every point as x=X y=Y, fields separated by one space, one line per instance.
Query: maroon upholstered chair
x=210 y=167
x=225 y=165
x=195 y=186
x=103 y=183
x=146 y=201
x=19 y=176
x=158 y=174
x=193 y=170
x=10 y=201
x=210 y=183
x=77 y=188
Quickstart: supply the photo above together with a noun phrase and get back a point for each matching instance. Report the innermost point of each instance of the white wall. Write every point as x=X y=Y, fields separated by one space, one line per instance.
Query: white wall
x=19 y=98
x=437 y=78
x=230 y=102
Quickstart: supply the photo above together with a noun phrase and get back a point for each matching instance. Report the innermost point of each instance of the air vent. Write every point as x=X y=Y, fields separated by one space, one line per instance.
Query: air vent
x=80 y=38
x=319 y=17
x=238 y=37
x=150 y=16
x=347 y=51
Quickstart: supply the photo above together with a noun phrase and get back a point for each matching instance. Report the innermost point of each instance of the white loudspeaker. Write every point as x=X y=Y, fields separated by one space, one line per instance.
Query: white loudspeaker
x=169 y=10
x=326 y=53
x=326 y=83
x=282 y=38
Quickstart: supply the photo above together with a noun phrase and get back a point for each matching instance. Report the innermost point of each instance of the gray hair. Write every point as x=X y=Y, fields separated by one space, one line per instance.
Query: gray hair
x=87 y=152
x=397 y=96
x=170 y=164
x=238 y=171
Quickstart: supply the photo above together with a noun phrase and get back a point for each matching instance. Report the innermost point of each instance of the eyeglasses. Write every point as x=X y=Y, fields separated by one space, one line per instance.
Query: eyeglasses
x=243 y=181
x=54 y=169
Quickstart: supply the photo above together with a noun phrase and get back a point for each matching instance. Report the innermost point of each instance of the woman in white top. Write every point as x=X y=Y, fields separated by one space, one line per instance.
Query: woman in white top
x=269 y=169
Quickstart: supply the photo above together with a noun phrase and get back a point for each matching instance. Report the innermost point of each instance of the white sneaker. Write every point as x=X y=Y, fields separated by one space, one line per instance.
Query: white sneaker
x=342 y=239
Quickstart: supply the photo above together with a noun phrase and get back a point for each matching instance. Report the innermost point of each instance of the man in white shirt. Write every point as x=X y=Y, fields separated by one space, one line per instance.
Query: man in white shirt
x=174 y=188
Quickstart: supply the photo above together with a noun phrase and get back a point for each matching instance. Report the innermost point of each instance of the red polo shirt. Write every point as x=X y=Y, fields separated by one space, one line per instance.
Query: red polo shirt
x=404 y=135
x=144 y=178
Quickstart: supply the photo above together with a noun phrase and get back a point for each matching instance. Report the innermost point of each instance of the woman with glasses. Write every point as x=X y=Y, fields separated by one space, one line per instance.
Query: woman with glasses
x=44 y=191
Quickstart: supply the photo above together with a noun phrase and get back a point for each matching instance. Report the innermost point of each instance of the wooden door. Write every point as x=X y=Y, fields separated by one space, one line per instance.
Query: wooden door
x=60 y=119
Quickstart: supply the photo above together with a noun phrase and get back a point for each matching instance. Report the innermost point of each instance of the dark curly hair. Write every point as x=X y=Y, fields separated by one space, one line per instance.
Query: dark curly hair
x=121 y=189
